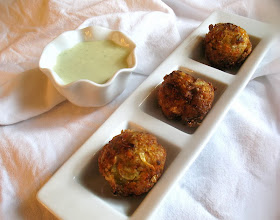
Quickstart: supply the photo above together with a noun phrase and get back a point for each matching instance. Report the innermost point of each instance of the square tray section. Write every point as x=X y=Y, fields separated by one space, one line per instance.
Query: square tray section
x=94 y=182
x=196 y=52
x=150 y=104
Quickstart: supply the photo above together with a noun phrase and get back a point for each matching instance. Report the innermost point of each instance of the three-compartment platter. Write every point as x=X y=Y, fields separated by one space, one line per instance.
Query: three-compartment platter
x=78 y=191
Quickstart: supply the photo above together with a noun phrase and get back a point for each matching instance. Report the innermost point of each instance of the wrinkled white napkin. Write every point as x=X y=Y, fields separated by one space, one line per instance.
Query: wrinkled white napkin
x=237 y=175
x=28 y=26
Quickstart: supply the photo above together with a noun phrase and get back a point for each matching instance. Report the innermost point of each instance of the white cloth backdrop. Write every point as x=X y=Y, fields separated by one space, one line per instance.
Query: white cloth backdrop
x=237 y=175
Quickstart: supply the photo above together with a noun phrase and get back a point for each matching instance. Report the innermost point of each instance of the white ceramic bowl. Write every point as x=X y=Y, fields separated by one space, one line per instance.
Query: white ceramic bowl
x=84 y=92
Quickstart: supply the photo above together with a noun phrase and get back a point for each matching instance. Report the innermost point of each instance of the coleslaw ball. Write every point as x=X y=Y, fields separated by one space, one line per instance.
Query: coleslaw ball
x=183 y=97
x=132 y=162
x=227 y=45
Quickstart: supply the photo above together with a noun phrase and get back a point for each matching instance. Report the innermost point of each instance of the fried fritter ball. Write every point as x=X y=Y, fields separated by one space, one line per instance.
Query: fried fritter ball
x=132 y=162
x=227 y=45
x=183 y=97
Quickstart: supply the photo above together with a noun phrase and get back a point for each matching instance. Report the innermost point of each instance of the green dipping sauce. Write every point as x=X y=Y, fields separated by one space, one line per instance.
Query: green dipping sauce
x=97 y=61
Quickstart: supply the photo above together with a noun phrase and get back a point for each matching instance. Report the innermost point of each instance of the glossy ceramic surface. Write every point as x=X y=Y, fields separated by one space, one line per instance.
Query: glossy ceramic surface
x=85 y=92
x=78 y=191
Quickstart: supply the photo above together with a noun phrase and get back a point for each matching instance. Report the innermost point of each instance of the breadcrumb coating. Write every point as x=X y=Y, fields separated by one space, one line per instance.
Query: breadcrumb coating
x=183 y=97
x=227 y=45
x=132 y=162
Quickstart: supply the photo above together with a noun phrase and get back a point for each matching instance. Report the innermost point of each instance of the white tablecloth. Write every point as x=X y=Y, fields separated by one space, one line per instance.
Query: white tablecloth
x=237 y=175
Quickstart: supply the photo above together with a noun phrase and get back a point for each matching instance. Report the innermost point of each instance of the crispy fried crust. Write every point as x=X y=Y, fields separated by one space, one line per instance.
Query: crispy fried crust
x=227 y=45
x=132 y=162
x=186 y=98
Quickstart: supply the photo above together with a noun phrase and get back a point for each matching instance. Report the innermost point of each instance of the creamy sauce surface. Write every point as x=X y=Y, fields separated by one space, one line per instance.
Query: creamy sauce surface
x=97 y=61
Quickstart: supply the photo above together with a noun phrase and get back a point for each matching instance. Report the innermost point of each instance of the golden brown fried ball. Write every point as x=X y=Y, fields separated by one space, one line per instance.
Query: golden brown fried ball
x=132 y=162
x=227 y=45
x=181 y=96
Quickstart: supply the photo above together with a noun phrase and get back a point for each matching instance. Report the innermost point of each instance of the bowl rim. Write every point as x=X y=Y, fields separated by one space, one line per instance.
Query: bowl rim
x=50 y=73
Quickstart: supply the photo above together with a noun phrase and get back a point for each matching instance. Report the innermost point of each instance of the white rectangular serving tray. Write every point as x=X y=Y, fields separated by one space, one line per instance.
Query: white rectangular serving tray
x=78 y=191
